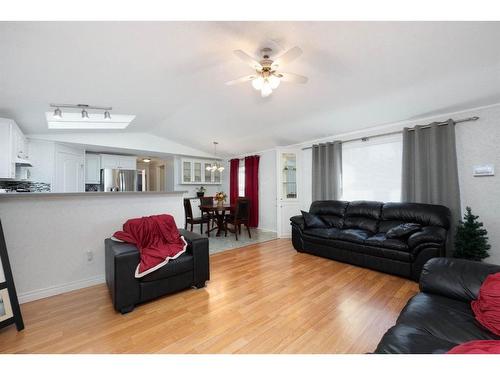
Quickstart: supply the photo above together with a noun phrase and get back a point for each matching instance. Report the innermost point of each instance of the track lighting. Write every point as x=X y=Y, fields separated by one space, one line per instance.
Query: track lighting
x=57 y=113
x=107 y=116
x=85 y=114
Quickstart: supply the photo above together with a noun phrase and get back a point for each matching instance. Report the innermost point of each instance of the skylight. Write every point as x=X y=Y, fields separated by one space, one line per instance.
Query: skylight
x=96 y=121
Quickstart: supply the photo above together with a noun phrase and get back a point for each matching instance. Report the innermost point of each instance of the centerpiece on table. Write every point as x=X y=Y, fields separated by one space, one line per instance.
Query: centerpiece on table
x=220 y=198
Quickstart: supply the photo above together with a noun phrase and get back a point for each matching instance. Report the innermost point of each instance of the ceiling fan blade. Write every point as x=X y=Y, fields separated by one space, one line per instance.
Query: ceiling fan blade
x=287 y=57
x=248 y=59
x=241 y=80
x=291 y=77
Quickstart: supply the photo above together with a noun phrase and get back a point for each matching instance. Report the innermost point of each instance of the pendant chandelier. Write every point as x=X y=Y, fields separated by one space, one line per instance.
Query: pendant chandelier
x=216 y=166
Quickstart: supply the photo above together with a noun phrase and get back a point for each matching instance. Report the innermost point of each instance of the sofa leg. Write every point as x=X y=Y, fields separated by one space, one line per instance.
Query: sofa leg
x=200 y=285
x=127 y=309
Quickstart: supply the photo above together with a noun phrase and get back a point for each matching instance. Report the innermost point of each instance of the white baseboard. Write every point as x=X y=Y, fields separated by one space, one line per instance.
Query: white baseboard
x=266 y=229
x=59 y=289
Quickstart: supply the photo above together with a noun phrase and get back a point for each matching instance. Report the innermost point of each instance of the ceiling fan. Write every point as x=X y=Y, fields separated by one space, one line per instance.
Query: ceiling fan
x=268 y=74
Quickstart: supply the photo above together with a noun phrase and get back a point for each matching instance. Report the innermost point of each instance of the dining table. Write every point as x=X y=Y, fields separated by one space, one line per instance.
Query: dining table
x=218 y=210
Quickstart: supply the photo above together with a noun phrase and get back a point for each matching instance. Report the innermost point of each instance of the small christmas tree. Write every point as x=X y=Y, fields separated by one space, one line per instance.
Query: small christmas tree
x=471 y=241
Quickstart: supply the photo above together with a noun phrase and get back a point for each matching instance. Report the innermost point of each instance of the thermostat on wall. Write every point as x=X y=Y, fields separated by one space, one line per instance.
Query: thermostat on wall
x=483 y=170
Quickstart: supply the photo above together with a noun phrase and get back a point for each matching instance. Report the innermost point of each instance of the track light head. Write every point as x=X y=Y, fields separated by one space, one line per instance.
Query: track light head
x=57 y=113
x=107 y=115
x=85 y=114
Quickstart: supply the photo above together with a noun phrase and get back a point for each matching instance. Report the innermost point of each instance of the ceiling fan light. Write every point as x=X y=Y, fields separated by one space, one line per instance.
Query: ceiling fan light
x=257 y=83
x=274 y=81
x=266 y=89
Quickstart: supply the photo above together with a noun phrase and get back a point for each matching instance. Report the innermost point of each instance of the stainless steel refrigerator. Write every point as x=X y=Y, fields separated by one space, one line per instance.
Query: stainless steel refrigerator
x=118 y=180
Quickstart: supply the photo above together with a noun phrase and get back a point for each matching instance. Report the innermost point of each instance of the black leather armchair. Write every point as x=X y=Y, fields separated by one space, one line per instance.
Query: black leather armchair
x=440 y=317
x=121 y=260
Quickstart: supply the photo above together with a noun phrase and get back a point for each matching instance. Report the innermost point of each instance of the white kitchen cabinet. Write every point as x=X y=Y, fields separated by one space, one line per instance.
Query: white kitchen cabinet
x=92 y=169
x=13 y=147
x=69 y=169
x=194 y=171
x=109 y=161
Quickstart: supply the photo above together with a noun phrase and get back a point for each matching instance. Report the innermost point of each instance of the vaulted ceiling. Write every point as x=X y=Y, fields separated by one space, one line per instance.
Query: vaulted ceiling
x=171 y=76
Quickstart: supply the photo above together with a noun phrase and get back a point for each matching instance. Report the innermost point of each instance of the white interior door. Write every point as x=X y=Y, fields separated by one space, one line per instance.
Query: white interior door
x=288 y=189
x=69 y=171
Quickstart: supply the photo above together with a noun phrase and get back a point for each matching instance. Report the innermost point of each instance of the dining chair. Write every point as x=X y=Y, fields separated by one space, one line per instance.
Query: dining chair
x=240 y=216
x=193 y=205
x=208 y=201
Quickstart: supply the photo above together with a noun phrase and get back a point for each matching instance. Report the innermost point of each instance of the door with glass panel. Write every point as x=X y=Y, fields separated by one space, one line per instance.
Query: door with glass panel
x=288 y=189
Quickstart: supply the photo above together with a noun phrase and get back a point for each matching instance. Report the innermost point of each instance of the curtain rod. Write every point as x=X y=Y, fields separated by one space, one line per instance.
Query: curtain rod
x=474 y=118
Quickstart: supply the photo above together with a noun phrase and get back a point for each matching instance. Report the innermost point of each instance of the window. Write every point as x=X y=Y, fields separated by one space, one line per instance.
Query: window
x=241 y=178
x=371 y=170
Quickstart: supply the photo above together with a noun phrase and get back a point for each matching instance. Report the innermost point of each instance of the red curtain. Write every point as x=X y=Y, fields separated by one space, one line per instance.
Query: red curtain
x=252 y=187
x=233 y=180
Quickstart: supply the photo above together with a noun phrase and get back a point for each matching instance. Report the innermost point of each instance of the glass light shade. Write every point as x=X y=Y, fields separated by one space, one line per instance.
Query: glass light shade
x=220 y=169
x=266 y=89
x=274 y=81
x=257 y=83
x=209 y=168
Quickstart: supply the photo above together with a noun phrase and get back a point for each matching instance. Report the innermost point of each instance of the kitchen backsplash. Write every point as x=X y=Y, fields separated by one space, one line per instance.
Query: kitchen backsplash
x=92 y=187
x=31 y=186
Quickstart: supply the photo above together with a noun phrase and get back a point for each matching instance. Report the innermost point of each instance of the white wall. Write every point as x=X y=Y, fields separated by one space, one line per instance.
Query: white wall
x=477 y=143
x=48 y=237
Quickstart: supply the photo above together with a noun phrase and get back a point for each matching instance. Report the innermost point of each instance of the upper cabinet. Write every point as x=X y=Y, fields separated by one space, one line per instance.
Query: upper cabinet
x=13 y=148
x=194 y=171
x=92 y=168
x=109 y=161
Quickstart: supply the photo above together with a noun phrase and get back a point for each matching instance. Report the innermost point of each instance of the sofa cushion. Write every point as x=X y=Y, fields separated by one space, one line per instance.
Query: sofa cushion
x=336 y=208
x=405 y=339
x=363 y=215
x=381 y=240
x=333 y=221
x=445 y=318
x=331 y=237
x=327 y=233
x=183 y=263
x=313 y=221
x=424 y=214
x=403 y=230
x=352 y=235
x=332 y=212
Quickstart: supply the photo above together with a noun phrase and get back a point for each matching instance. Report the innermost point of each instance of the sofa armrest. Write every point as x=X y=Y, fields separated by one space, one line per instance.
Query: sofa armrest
x=455 y=278
x=198 y=247
x=298 y=221
x=432 y=235
x=121 y=260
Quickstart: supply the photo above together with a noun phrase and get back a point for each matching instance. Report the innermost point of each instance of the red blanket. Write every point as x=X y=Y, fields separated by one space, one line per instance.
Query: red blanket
x=487 y=306
x=157 y=239
x=477 y=347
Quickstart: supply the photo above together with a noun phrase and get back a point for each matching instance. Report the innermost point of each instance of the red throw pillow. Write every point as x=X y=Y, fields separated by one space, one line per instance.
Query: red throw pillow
x=487 y=306
x=477 y=347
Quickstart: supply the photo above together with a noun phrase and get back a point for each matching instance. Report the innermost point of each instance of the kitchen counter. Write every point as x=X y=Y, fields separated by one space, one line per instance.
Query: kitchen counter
x=87 y=194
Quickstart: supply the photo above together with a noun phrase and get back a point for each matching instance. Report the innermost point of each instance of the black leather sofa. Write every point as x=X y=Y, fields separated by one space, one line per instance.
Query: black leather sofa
x=440 y=317
x=121 y=259
x=356 y=234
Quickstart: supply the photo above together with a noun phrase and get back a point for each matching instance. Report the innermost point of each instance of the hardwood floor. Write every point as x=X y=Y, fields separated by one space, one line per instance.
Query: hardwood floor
x=263 y=298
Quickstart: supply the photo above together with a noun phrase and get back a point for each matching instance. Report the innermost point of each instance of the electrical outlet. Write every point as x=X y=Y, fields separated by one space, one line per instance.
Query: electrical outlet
x=90 y=256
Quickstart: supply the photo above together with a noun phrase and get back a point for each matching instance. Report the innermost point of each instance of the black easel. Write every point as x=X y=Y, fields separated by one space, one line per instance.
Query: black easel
x=9 y=285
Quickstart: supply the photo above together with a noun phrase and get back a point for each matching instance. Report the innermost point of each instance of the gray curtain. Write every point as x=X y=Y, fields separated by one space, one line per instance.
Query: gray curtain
x=430 y=172
x=327 y=171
